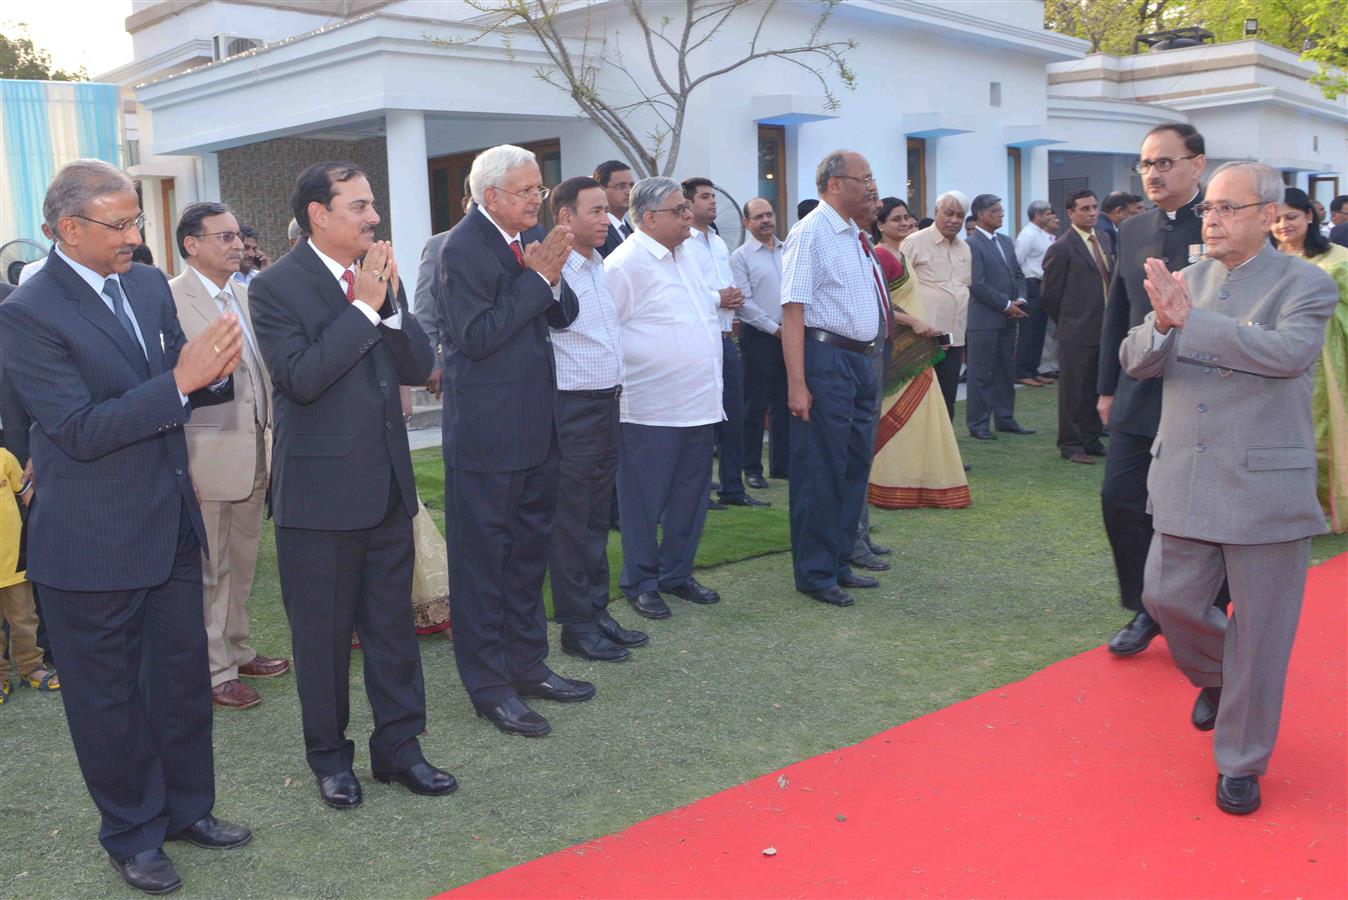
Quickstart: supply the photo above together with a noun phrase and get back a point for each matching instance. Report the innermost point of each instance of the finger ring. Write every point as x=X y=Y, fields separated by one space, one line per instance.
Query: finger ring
x=381 y=276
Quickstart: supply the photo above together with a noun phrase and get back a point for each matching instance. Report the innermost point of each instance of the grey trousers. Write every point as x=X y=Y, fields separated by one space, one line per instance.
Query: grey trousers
x=1245 y=655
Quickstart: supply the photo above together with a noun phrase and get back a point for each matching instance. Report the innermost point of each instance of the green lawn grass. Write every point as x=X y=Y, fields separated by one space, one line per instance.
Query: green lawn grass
x=977 y=598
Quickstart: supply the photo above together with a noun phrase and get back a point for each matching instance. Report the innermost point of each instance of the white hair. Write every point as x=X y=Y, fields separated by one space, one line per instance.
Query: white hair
x=1265 y=180
x=648 y=194
x=954 y=197
x=293 y=231
x=491 y=166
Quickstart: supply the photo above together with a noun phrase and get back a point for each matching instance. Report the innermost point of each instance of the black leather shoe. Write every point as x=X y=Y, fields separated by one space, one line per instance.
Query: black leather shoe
x=150 y=871
x=712 y=504
x=557 y=688
x=340 y=791
x=1135 y=636
x=1096 y=450
x=878 y=549
x=1015 y=427
x=834 y=596
x=650 y=604
x=746 y=500
x=756 y=481
x=693 y=592
x=623 y=637
x=1204 y=715
x=592 y=645
x=211 y=833
x=983 y=435
x=852 y=580
x=870 y=562
x=1238 y=796
x=423 y=778
x=513 y=717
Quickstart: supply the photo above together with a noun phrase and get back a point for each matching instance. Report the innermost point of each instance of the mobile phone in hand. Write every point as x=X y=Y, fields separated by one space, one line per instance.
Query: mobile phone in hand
x=944 y=339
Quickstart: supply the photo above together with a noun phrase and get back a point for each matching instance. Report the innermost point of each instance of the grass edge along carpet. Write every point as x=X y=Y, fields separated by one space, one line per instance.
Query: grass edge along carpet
x=1083 y=780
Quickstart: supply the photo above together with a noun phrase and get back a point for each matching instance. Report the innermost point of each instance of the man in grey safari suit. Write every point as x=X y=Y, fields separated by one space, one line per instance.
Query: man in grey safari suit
x=1232 y=480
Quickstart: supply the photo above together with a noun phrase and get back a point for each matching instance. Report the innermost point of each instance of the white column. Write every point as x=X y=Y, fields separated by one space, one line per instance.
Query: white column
x=209 y=173
x=409 y=196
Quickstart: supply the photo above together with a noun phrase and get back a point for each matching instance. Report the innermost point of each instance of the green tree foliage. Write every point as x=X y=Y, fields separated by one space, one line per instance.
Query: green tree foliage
x=1316 y=29
x=19 y=58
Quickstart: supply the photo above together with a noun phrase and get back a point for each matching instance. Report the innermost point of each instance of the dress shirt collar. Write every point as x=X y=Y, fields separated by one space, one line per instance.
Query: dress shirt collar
x=1085 y=235
x=836 y=222
x=652 y=246
x=212 y=289
x=88 y=275
x=1171 y=215
x=756 y=244
x=620 y=224
x=1031 y=225
x=939 y=238
x=576 y=263
x=332 y=265
x=987 y=234
x=505 y=235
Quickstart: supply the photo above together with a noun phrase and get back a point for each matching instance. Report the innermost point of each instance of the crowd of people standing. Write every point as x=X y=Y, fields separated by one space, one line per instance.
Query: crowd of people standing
x=609 y=367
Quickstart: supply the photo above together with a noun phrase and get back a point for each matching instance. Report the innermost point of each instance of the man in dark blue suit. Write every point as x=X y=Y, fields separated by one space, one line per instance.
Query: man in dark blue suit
x=332 y=324
x=997 y=297
x=494 y=292
x=93 y=347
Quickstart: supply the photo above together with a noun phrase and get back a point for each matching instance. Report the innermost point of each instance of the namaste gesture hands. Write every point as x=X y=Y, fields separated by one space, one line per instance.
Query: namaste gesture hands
x=1169 y=295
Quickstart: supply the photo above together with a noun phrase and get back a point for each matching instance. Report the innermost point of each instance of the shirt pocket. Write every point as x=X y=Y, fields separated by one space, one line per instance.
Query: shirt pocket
x=1266 y=459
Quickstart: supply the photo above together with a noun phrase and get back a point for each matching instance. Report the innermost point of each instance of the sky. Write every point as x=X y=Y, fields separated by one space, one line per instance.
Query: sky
x=89 y=33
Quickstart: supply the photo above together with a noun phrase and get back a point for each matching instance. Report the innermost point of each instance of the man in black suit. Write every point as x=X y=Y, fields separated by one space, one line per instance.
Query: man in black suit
x=1338 y=220
x=615 y=177
x=1114 y=209
x=1076 y=279
x=332 y=325
x=494 y=292
x=95 y=352
x=998 y=295
x=1171 y=164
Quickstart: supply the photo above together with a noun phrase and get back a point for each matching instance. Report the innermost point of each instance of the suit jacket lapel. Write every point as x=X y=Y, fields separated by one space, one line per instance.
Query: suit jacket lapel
x=1079 y=247
x=499 y=248
x=147 y=317
x=92 y=307
x=328 y=287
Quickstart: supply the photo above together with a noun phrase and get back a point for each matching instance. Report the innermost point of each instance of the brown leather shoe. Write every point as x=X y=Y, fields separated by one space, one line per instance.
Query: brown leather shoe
x=235 y=695
x=1081 y=458
x=265 y=667
x=1030 y=382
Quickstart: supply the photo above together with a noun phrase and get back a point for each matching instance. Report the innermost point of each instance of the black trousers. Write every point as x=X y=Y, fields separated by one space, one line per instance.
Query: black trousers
x=730 y=433
x=1123 y=504
x=1030 y=341
x=332 y=582
x=578 y=555
x=136 y=685
x=765 y=394
x=1079 y=423
x=948 y=377
x=991 y=390
x=500 y=525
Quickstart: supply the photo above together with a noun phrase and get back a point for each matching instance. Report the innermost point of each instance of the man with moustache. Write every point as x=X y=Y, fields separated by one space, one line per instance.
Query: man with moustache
x=1171 y=164
x=94 y=349
x=228 y=446
x=589 y=381
x=615 y=177
x=833 y=308
x=332 y=325
x=1232 y=481
x=671 y=399
x=998 y=292
x=757 y=268
x=944 y=268
x=1076 y=281
x=493 y=288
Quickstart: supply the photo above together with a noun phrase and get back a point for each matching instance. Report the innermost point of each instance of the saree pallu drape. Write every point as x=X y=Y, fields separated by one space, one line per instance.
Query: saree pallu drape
x=1329 y=402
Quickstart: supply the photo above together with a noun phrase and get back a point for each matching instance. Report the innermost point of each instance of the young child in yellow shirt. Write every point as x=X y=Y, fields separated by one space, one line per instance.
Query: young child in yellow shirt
x=16 y=594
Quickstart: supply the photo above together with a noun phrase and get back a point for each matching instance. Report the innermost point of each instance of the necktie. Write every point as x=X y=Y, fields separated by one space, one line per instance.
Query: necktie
x=113 y=292
x=350 y=278
x=875 y=274
x=625 y=230
x=1000 y=252
x=515 y=249
x=226 y=304
x=1100 y=262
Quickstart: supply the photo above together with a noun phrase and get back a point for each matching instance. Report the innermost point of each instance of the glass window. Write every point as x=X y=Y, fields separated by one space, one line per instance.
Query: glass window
x=772 y=171
x=917 y=177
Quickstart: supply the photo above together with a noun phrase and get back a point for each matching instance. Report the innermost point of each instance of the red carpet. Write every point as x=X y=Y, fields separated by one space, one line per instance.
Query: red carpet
x=1084 y=780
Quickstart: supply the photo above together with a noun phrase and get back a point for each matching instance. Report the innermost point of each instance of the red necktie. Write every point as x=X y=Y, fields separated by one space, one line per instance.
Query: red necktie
x=350 y=278
x=884 y=306
x=519 y=254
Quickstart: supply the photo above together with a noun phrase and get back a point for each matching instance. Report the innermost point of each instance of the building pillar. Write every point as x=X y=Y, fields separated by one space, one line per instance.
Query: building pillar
x=208 y=177
x=409 y=196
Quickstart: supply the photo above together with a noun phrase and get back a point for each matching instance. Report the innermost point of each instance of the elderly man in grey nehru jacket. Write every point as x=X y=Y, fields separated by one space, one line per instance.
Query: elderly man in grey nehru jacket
x=1232 y=482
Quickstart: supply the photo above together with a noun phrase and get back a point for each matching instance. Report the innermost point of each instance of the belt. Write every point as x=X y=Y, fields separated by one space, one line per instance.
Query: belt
x=612 y=393
x=837 y=340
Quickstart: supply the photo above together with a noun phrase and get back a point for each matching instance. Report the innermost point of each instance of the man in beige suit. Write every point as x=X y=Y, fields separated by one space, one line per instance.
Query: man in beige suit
x=228 y=448
x=1232 y=480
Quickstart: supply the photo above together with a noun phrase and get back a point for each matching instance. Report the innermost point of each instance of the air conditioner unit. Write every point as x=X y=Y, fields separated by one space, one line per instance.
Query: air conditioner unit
x=226 y=45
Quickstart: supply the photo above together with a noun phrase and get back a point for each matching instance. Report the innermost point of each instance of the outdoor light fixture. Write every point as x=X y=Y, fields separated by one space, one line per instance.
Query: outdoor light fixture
x=1251 y=27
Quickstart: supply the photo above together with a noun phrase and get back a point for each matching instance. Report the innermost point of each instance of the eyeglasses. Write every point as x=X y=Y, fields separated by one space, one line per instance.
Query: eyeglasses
x=226 y=237
x=1164 y=164
x=533 y=193
x=137 y=223
x=869 y=179
x=1223 y=209
x=676 y=210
